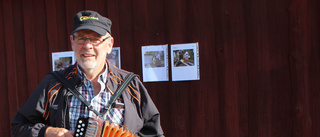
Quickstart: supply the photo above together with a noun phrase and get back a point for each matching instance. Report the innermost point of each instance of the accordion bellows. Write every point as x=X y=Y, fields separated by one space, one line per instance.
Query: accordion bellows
x=93 y=127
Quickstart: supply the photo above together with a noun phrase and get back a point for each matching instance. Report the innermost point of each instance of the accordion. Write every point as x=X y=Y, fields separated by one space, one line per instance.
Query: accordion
x=94 y=127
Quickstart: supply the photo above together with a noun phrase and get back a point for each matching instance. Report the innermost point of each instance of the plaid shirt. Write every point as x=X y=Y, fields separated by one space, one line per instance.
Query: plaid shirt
x=99 y=102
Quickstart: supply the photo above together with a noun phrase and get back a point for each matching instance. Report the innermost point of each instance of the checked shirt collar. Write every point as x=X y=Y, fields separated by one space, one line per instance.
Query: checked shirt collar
x=99 y=102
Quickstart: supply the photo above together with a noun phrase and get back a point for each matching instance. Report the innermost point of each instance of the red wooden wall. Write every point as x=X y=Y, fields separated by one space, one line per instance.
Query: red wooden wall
x=259 y=60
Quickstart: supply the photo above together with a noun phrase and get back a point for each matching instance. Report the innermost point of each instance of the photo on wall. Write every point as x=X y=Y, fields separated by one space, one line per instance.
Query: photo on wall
x=183 y=57
x=114 y=57
x=155 y=63
x=154 y=59
x=62 y=60
x=185 y=62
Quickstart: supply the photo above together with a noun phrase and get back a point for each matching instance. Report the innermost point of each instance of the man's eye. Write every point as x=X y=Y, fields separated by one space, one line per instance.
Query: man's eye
x=82 y=38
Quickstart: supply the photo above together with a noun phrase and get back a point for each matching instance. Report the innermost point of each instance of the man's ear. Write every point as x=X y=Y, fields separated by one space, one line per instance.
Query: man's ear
x=110 y=45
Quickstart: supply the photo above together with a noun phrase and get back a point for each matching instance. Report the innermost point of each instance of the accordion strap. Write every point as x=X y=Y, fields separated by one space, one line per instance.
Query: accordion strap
x=118 y=92
x=77 y=94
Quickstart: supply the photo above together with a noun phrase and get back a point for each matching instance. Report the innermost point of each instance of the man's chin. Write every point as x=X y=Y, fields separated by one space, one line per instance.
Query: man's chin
x=87 y=66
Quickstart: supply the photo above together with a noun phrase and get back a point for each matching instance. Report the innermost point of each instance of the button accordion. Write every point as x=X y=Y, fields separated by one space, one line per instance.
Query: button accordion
x=93 y=127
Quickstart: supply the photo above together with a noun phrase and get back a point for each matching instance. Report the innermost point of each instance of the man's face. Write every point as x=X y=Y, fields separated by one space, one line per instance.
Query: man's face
x=186 y=55
x=90 y=56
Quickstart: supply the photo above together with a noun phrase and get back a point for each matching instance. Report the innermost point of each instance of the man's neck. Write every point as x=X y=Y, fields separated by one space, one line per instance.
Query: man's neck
x=92 y=74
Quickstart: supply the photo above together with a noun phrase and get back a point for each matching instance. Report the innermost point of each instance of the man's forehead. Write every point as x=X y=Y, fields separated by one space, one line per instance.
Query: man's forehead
x=87 y=32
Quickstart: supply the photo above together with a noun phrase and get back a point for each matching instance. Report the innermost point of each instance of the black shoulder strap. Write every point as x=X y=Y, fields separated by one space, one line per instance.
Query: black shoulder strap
x=118 y=92
x=76 y=93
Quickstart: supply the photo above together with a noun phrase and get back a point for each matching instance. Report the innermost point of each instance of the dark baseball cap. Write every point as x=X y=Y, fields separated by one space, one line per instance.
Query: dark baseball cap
x=91 y=20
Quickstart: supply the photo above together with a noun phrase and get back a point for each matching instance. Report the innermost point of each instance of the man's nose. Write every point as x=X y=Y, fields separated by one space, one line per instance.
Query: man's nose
x=88 y=44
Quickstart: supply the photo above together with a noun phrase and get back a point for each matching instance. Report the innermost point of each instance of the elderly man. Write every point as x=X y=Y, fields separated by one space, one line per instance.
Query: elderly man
x=52 y=110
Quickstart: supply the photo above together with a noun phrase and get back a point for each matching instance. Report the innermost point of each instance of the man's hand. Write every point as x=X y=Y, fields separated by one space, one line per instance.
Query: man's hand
x=58 y=132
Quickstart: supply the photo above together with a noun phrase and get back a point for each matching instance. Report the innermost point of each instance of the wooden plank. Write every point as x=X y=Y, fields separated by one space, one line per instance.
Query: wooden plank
x=228 y=97
x=314 y=65
x=72 y=8
x=52 y=31
x=278 y=69
x=52 y=25
x=236 y=69
x=10 y=58
x=126 y=36
x=253 y=13
x=61 y=26
x=112 y=12
x=30 y=52
x=175 y=21
x=91 y=5
x=141 y=35
x=299 y=52
x=41 y=40
x=5 y=116
x=268 y=67
x=20 y=53
x=156 y=23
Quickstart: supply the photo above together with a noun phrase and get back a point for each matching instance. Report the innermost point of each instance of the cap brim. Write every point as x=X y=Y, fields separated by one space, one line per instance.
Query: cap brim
x=97 y=29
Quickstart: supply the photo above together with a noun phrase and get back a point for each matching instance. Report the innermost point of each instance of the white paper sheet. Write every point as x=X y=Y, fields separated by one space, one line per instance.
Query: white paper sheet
x=185 y=62
x=62 y=60
x=155 y=63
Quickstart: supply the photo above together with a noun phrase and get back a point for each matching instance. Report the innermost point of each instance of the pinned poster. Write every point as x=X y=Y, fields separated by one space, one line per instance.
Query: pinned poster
x=155 y=63
x=62 y=60
x=114 y=57
x=185 y=62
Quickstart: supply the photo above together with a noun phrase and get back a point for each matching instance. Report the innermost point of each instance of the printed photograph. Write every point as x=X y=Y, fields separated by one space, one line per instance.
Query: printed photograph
x=62 y=60
x=114 y=57
x=62 y=63
x=183 y=57
x=154 y=59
